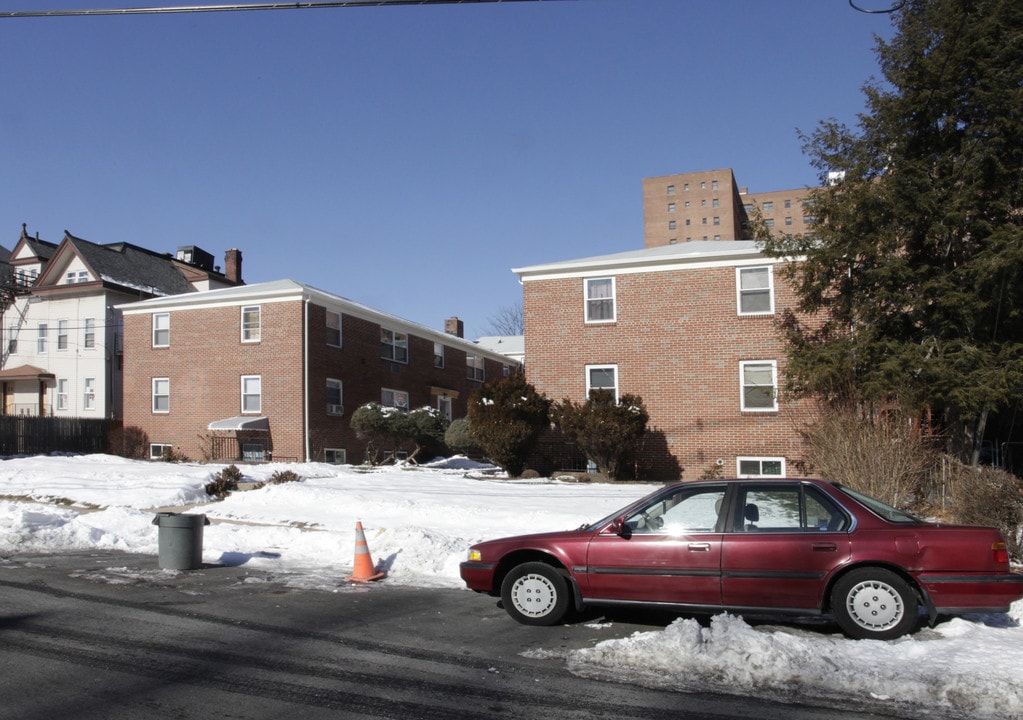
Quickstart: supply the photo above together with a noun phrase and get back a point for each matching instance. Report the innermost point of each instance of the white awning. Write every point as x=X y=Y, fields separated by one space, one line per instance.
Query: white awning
x=242 y=422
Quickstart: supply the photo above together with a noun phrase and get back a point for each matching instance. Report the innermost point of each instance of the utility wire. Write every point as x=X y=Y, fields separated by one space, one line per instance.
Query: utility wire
x=168 y=9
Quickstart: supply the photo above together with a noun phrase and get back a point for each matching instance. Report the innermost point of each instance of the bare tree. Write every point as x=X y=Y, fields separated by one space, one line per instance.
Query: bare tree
x=509 y=320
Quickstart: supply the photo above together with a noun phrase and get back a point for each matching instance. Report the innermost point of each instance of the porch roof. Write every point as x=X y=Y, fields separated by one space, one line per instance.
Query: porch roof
x=26 y=372
x=242 y=422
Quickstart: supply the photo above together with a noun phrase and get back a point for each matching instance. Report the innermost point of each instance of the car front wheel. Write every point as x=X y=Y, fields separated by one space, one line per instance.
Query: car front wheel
x=874 y=603
x=535 y=593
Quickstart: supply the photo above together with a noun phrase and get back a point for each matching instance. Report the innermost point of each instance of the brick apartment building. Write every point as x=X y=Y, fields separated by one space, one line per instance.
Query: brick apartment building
x=276 y=370
x=690 y=328
x=708 y=205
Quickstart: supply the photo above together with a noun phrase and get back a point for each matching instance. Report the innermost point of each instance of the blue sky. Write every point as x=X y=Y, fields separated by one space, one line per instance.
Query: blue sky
x=409 y=157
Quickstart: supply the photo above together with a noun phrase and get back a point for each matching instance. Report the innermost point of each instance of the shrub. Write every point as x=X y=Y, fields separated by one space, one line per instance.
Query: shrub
x=883 y=456
x=605 y=430
x=130 y=442
x=506 y=416
x=389 y=429
x=986 y=496
x=173 y=455
x=283 y=476
x=458 y=438
x=224 y=482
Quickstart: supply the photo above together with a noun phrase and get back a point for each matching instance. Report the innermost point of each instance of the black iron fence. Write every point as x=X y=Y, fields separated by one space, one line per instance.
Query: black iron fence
x=28 y=435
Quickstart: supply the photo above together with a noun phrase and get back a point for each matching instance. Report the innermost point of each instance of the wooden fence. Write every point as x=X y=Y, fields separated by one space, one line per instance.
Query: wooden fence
x=28 y=435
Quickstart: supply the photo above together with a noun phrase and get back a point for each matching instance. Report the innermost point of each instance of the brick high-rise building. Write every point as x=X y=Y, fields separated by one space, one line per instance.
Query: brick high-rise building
x=709 y=205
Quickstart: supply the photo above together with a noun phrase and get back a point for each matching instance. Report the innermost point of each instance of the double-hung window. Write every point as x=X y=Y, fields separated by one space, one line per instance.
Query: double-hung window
x=759 y=380
x=251 y=323
x=161 y=329
x=62 y=394
x=161 y=395
x=89 y=335
x=600 y=299
x=394 y=398
x=333 y=329
x=755 y=290
x=438 y=355
x=89 y=394
x=41 y=338
x=62 y=336
x=393 y=345
x=602 y=377
x=252 y=393
x=334 y=397
x=475 y=368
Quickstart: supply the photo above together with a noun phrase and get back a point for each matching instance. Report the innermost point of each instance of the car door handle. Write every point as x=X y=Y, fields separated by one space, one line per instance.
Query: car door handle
x=699 y=547
x=824 y=547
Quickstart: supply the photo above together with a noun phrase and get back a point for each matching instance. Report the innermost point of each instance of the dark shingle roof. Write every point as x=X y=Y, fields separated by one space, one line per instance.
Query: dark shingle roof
x=132 y=267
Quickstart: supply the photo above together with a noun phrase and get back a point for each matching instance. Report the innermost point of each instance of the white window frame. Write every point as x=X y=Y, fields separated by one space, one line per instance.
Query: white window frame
x=743 y=385
x=248 y=392
x=89 y=394
x=62 y=393
x=588 y=300
x=251 y=331
x=390 y=397
x=12 y=339
x=438 y=355
x=333 y=328
x=335 y=456
x=89 y=334
x=337 y=408
x=590 y=386
x=396 y=344
x=156 y=450
x=161 y=327
x=41 y=338
x=161 y=389
x=741 y=292
x=63 y=339
x=475 y=367
x=760 y=462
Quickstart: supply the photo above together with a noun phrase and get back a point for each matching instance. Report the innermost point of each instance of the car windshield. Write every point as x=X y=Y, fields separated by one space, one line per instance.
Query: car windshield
x=876 y=506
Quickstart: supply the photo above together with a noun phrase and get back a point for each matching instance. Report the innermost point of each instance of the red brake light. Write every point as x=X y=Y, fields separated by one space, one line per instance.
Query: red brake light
x=1000 y=552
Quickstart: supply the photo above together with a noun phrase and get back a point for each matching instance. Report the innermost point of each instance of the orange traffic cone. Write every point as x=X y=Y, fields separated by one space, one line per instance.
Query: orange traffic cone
x=364 y=570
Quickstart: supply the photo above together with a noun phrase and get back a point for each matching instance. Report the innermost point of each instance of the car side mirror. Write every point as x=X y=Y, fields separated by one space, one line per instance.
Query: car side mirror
x=620 y=528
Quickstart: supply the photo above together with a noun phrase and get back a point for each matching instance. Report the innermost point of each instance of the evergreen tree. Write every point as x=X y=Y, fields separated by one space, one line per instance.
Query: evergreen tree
x=506 y=416
x=911 y=287
x=605 y=430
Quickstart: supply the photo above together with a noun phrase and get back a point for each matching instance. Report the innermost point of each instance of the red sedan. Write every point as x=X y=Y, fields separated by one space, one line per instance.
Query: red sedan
x=803 y=547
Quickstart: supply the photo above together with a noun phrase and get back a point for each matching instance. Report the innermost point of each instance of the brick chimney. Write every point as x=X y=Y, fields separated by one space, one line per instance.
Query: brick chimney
x=454 y=326
x=233 y=265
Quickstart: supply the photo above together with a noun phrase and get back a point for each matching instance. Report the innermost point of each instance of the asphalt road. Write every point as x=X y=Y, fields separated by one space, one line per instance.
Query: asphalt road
x=109 y=635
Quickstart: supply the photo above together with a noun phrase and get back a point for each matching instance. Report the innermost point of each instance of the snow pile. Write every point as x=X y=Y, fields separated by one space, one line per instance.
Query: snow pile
x=418 y=524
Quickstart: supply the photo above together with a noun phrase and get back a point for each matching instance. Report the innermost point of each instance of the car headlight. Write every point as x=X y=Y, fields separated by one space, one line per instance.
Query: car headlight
x=475 y=555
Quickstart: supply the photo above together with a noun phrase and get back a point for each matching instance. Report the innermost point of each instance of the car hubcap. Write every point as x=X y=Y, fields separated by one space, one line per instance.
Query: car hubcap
x=874 y=605
x=534 y=595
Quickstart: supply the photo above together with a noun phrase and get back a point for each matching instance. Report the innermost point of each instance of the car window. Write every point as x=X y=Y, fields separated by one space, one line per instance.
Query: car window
x=787 y=509
x=684 y=511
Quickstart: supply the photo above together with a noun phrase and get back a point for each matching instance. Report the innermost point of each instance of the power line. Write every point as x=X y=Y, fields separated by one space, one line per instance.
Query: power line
x=169 y=9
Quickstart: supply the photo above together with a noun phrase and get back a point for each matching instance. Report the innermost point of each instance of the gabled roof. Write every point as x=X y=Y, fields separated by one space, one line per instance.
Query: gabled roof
x=120 y=264
x=698 y=253
x=289 y=290
x=29 y=249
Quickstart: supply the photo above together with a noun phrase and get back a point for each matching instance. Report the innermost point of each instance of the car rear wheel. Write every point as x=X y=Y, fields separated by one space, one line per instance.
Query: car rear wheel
x=874 y=603
x=535 y=593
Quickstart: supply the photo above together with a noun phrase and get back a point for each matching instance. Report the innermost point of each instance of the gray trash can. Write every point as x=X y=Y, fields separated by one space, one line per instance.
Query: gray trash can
x=180 y=540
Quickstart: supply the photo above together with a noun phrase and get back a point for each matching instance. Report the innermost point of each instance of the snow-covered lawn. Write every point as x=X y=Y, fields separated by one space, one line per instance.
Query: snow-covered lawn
x=419 y=522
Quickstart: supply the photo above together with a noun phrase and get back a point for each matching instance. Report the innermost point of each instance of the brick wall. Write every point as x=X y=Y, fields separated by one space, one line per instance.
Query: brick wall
x=206 y=360
x=677 y=341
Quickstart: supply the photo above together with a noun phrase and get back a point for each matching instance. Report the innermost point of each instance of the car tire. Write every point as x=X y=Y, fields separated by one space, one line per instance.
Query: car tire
x=535 y=593
x=874 y=604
